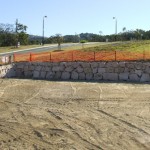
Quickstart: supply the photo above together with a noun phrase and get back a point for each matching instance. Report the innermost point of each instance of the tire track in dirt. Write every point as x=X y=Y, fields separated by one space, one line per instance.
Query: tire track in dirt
x=124 y=122
x=128 y=126
x=73 y=134
x=31 y=139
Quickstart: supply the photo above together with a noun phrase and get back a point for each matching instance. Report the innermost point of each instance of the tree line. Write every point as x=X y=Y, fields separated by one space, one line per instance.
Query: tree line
x=125 y=35
x=10 y=36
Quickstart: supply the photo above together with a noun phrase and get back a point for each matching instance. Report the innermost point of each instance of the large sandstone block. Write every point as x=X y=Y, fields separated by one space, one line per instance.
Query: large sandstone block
x=98 y=76
x=55 y=64
x=65 y=76
x=102 y=64
x=67 y=64
x=38 y=68
x=87 y=70
x=138 y=72
x=75 y=64
x=26 y=68
x=122 y=64
x=101 y=70
x=94 y=70
x=69 y=69
x=145 y=78
x=110 y=69
x=129 y=70
x=19 y=73
x=57 y=75
x=56 y=68
x=28 y=74
x=89 y=76
x=10 y=73
x=130 y=65
x=124 y=76
x=82 y=76
x=119 y=70
x=63 y=64
x=110 y=76
x=147 y=69
x=79 y=69
x=47 y=69
x=147 y=64
x=36 y=74
x=43 y=74
x=134 y=77
x=9 y=66
x=85 y=64
x=112 y=64
x=31 y=67
x=94 y=64
x=20 y=66
x=139 y=65
x=49 y=64
x=50 y=75
x=74 y=75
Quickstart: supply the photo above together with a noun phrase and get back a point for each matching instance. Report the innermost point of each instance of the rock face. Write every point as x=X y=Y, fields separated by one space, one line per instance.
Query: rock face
x=111 y=71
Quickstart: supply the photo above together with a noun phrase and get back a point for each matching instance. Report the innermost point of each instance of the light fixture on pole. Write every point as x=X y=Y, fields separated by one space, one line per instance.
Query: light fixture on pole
x=115 y=25
x=43 y=30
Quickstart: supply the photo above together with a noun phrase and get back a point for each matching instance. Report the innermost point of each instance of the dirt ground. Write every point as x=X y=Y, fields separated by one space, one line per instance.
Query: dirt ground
x=46 y=115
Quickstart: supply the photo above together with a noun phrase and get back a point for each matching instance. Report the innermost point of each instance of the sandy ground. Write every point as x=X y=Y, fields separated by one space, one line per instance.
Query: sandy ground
x=45 y=115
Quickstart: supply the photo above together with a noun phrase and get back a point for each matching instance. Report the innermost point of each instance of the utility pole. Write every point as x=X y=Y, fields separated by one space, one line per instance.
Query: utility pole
x=115 y=28
x=17 y=33
x=115 y=25
x=43 y=30
x=16 y=26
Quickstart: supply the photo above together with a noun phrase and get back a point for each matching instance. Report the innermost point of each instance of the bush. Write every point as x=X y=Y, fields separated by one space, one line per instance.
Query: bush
x=83 y=41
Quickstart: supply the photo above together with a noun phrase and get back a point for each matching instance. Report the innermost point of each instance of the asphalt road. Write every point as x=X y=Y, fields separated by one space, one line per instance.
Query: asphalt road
x=42 y=49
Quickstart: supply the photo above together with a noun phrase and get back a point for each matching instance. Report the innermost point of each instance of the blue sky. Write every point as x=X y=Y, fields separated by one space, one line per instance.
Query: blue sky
x=76 y=16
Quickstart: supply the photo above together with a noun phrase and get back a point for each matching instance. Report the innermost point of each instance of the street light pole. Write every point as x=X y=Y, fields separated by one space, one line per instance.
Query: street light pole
x=43 y=30
x=115 y=25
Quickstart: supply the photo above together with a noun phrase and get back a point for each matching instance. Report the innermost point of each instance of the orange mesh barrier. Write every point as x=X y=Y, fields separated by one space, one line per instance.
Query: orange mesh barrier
x=128 y=56
x=146 y=55
x=83 y=56
x=105 y=56
x=61 y=56
x=41 y=57
x=22 y=57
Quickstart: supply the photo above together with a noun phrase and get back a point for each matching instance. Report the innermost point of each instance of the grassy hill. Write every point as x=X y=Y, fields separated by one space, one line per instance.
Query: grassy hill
x=134 y=46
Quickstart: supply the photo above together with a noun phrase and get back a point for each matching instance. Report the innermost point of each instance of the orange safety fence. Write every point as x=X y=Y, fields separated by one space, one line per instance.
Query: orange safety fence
x=61 y=56
x=22 y=57
x=42 y=57
x=82 y=56
x=105 y=56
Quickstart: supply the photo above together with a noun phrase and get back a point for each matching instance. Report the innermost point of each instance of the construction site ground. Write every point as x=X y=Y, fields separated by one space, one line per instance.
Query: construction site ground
x=58 y=115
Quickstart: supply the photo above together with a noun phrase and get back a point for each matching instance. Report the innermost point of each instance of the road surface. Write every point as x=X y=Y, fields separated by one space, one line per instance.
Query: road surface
x=43 y=48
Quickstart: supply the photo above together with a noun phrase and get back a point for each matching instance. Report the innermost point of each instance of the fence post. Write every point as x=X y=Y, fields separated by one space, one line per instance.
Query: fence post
x=30 y=58
x=72 y=56
x=115 y=56
x=50 y=56
x=94 y=56
x=143 y=54
x=14 y=58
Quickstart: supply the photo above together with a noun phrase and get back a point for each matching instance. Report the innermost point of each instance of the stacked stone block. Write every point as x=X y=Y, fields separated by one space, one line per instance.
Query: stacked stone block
x=111 y=71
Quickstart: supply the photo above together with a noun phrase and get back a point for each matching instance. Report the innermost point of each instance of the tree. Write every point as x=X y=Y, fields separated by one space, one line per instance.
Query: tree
x=124 y=29
x=59 y=39
x=7 y=36
x=21 y=35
